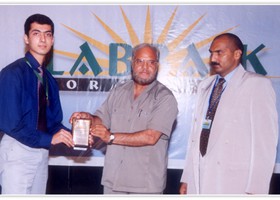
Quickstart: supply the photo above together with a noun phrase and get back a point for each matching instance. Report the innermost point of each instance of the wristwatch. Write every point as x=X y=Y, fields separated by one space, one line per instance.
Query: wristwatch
x=112 y=137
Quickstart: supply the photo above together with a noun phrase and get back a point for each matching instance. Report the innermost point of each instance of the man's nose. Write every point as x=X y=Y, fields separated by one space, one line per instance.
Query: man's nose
x=213 y=57
x=42 y=37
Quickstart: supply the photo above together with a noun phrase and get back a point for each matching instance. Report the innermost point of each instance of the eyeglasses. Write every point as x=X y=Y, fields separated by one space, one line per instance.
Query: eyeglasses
x=140 y=62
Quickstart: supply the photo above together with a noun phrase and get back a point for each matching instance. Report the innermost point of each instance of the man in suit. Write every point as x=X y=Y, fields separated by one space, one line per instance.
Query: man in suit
x=241 y=150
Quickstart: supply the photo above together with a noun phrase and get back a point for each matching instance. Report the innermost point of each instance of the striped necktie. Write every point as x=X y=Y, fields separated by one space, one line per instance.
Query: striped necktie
x=214 y=101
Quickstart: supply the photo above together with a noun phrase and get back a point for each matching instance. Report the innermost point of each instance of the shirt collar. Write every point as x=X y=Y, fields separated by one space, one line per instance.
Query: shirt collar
x=228 y=76
x=30 y=58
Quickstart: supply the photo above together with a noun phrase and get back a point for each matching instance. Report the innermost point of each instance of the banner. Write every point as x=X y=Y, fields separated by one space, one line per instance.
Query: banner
x=93 y=46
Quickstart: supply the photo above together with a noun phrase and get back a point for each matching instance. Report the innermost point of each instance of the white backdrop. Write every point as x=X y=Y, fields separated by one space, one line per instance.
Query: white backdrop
x=88 y=33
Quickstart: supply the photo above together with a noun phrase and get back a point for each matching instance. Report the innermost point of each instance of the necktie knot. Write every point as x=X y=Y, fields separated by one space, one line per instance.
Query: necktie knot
x=217 y=92
x=221 y=81
x=40 y=70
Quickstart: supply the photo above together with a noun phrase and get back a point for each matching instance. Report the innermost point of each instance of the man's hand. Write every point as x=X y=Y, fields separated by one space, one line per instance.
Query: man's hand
x=63 y=136
x=80 y=115
x=183 y=188
x=101 y=132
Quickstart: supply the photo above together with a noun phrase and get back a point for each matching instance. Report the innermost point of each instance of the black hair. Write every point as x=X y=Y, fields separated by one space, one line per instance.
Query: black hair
x=235 y=40
x=40 y=19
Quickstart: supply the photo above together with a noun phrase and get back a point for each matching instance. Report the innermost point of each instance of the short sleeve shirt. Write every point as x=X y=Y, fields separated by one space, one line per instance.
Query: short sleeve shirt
x=138 y=169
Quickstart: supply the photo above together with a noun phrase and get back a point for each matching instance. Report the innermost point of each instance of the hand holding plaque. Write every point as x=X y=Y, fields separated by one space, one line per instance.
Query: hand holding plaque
x=80 y=131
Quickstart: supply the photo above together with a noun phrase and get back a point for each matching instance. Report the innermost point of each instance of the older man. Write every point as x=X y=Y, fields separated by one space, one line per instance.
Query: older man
x=136 y=122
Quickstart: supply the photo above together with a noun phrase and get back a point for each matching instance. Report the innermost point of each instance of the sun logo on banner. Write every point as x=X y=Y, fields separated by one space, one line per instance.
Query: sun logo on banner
x=176 y=61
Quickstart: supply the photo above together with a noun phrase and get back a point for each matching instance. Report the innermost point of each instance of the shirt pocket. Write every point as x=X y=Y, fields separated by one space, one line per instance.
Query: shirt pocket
x=119 y=120
x=141 y=120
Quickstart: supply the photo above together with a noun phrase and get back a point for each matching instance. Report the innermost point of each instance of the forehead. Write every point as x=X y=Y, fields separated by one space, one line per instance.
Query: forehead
x=40 y=27
x=220 y=44
x=145 y=52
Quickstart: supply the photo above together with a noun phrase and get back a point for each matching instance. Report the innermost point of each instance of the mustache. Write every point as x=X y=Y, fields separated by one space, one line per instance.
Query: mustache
x=214 y=63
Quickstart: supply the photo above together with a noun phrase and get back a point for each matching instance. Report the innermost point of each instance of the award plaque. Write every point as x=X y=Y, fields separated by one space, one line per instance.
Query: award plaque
x=80 y=131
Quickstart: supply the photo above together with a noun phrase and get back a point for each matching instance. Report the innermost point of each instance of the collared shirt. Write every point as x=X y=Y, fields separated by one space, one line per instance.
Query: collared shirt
x=138 y=169
x=201 y=160
x=19 y=104
x=227 y=79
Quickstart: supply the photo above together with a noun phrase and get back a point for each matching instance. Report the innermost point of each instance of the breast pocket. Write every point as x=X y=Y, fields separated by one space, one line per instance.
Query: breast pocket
x=141 y=120
x=129 y=121
x=119 y=119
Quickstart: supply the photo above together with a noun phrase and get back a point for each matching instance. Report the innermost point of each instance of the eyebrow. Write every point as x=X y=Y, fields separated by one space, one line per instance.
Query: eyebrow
x=36 y=30
x=216 y=51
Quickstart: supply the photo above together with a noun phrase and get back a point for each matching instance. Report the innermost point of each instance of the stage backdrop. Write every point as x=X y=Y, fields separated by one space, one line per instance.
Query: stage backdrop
x=93 y=47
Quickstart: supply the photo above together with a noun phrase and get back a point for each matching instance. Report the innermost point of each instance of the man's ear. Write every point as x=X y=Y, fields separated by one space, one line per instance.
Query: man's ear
x=53 y=40
x=26 y=41
x=237 y=54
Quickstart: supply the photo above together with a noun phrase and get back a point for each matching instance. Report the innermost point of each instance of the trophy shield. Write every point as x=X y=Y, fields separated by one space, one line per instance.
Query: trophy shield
x=80 y=131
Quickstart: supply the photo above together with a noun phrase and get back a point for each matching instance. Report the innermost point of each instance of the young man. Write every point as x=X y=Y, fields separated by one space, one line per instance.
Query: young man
x=136 y=122
x=238 y=154
x=30 y=113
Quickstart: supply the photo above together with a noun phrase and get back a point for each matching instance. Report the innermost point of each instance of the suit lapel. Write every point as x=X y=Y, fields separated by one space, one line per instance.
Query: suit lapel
x=203 y=94
x=222 y=110
x=202 y=102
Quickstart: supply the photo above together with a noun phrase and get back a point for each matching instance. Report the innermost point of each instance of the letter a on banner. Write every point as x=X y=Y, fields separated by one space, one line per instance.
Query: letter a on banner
x=86 y=52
